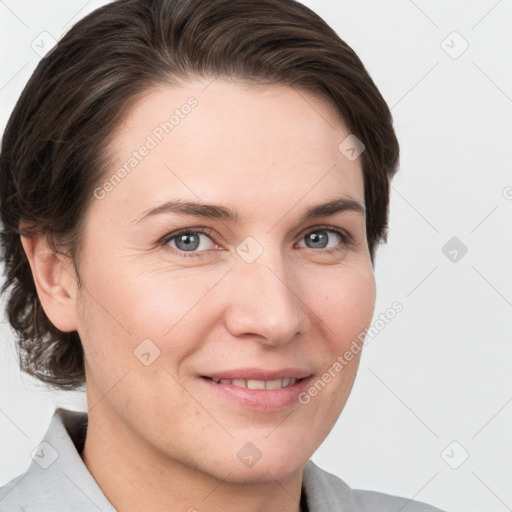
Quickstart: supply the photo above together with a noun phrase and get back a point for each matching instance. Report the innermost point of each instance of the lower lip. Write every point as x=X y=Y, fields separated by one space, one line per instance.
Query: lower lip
x=260 y=399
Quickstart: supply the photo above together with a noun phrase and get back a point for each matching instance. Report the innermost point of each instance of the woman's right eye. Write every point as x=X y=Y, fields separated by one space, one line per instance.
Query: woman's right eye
x=189 y=241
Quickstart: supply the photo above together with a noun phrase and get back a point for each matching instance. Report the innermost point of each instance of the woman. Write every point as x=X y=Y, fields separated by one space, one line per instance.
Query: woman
x=192 y=194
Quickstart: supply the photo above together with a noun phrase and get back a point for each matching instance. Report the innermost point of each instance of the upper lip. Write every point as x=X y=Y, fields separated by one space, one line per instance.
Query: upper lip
x=261 y=374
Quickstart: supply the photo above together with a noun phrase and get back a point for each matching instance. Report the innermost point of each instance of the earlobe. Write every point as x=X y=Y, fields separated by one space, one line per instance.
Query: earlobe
x=55 y=284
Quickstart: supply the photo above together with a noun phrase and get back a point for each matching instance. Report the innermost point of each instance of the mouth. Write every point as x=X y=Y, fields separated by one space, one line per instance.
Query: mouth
x=259 y=390
x=257 y=384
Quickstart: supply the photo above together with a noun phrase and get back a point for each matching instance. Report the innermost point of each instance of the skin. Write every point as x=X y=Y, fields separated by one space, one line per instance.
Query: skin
x=158 y=438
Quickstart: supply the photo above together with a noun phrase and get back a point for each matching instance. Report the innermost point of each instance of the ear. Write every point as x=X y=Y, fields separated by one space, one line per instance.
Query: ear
x=55 y=281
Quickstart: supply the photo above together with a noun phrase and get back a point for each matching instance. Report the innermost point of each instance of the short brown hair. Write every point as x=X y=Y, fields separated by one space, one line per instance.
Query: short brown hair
x=53 y=149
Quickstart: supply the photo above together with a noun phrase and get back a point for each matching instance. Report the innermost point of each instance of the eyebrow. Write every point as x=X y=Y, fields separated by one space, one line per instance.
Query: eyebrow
x=214 y=211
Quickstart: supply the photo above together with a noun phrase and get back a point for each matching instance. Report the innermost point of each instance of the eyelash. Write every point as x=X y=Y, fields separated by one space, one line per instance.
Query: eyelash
x=347 y=239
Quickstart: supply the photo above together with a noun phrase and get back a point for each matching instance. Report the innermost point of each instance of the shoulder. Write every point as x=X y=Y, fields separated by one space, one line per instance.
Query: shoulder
x=10 y=499
x=35 y=489
x=56 y=480
x=327 y=492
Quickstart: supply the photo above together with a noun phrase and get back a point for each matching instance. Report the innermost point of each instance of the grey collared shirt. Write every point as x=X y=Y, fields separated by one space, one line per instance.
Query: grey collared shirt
x=57 y=480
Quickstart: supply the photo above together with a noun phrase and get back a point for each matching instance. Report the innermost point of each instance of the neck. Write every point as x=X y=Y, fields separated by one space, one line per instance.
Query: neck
x=136 y=477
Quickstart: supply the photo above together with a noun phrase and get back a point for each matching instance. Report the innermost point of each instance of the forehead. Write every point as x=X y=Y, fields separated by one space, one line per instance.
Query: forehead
x=223 y=141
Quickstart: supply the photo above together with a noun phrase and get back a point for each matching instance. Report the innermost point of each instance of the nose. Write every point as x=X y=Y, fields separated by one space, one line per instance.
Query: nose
x=265 y=301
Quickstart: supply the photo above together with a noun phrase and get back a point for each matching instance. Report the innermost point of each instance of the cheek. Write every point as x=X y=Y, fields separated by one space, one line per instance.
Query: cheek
x=125 y=303
x=161 y=303
x=344 y=309
x=346 y=312
x=346 y=304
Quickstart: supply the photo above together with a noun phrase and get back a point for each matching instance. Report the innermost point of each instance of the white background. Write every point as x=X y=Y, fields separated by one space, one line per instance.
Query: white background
x=441 y=370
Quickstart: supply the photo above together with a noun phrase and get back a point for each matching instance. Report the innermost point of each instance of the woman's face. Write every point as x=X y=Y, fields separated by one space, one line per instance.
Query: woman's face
x=266 y=296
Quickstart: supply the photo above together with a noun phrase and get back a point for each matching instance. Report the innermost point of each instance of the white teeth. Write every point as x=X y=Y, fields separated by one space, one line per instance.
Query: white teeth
x=254 y=384
x=274 y=384
x=258 y=384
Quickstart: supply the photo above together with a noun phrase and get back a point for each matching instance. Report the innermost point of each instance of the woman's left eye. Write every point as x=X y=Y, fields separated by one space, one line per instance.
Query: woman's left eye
x=319 y=238
x=190 y=241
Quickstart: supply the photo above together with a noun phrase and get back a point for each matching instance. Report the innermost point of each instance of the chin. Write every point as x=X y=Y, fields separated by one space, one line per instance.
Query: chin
x=262 y=472
x=264 y=461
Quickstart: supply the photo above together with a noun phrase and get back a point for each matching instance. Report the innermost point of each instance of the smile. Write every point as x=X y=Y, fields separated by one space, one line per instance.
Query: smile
x=258 y=384
x=266 y=394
